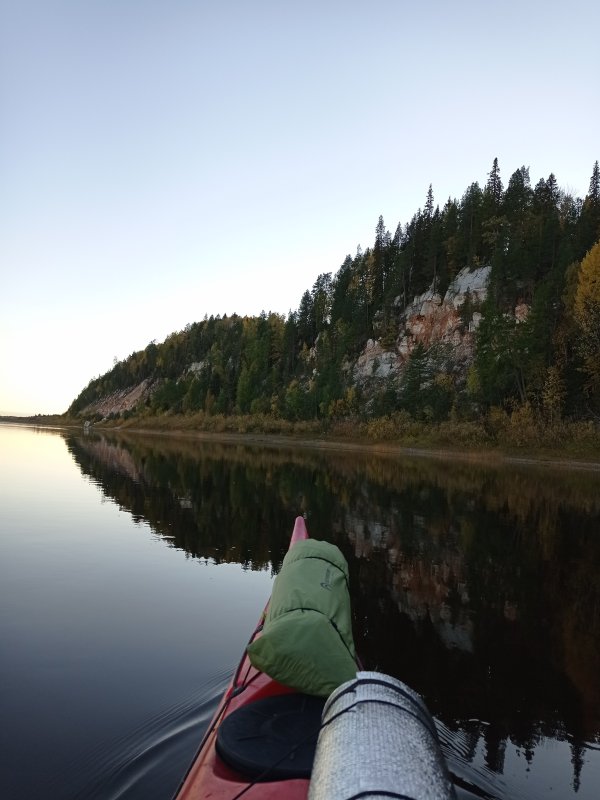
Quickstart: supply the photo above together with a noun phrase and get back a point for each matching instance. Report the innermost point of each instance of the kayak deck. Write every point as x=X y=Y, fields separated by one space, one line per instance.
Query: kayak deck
x=209 y=776
x=373 y=736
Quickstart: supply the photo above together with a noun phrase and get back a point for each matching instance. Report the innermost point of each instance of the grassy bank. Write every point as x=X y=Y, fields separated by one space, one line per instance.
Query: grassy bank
x=519 y=433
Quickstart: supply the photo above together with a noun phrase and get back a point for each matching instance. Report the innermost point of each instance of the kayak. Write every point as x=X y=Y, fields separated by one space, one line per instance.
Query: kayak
x=362 y=734
x=209 y=776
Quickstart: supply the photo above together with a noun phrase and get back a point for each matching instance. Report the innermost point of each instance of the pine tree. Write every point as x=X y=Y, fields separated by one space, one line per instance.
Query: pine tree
x=306 y=322
x=428 y=213
x=517 y=198
x=469 y=226
x=594 y=190
x=545 y=232
x=289 y=354
x=341 y=301
x=450 y=237
x=396 y=283
x=494 y=188
x=379 y=257
x=588 y=226
x=321 y=302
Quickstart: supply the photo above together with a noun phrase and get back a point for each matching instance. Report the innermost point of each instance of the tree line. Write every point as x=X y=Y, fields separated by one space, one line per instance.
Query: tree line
x=543 y=247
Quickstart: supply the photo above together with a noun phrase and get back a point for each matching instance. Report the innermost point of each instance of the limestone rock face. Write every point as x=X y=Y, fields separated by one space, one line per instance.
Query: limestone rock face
x=122 y=400
x=475 y=283
x=375 y=362
x=429 y=320
x=196 y=367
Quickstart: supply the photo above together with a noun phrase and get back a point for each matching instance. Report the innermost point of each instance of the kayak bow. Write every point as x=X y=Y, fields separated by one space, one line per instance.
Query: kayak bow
x=208 y=775
x=372 y=737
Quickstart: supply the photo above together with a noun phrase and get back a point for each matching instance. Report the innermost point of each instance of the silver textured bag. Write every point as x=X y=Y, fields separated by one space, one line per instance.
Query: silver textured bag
x=378 y=740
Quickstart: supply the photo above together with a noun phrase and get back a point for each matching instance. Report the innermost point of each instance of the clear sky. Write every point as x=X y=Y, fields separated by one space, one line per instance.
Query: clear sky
x=165 y=159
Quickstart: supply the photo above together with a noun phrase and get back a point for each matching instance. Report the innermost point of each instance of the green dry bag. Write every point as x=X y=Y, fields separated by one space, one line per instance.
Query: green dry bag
x=306 y=641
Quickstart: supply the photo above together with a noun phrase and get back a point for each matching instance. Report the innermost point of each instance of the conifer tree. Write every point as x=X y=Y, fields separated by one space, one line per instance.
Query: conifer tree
x=588 y=226
x=450 y=237
x=321 y=302
x=306 y=327
x=289 y=353
x=594 y=190
x=494 y=223
x=469 y=228
x=341 y=301
x=494 y=188
x=379 y=258
x=428 y=212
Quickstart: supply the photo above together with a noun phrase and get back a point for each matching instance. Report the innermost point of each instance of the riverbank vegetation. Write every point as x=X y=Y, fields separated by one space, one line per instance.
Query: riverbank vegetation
x=499 y=433
x=533 y=380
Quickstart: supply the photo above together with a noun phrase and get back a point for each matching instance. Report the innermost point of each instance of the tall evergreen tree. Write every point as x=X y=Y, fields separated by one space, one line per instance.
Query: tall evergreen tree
x=494 y=223
x=396 y=279
x=494 y=188
x=306 y=321
x=594 y=190
x=321 y=302
x=450 y=238
x=379 y=262
x=428 y=211
x=341 y=300
x=588 y=227
x=469 y=228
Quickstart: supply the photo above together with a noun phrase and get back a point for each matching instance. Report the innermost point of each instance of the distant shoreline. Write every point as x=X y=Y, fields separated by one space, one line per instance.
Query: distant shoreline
x=485 y=455
x=489 y=457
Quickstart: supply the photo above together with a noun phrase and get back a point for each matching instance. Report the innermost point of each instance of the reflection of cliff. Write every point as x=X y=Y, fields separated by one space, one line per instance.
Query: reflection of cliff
x=483 y=621
x=423 y=585
x=118 y=459
x=477 y=585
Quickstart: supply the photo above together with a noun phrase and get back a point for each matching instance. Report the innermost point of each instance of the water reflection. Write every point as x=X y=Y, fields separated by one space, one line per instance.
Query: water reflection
x=477 y=585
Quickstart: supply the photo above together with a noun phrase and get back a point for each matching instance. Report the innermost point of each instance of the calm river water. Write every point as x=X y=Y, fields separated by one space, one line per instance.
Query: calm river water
x=132 y=571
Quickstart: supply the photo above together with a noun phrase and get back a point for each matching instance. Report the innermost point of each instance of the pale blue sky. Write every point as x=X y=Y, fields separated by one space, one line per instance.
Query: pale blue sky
x=165 y=160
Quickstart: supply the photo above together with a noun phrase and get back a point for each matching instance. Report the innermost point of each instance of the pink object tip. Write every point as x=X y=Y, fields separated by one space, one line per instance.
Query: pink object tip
x=299 y=532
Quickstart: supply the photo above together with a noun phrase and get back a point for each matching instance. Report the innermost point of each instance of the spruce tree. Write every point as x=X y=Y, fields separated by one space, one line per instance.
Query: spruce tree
x=588 y=226
x=594 y=190
x=494 y=188
x=469 y=227
x=428 y=212
x=306 y=326
x=379 y=257
x=321 y=302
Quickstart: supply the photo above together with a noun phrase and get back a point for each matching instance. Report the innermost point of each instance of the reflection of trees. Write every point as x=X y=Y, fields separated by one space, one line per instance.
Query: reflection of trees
x=207 y=505
x=516 y=578
x=476 y=584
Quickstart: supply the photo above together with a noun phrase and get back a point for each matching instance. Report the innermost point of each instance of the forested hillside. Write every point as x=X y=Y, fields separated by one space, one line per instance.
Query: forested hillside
x=535 y=335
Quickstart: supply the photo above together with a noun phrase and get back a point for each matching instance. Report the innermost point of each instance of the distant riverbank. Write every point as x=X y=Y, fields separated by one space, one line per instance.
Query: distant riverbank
x=516 y=438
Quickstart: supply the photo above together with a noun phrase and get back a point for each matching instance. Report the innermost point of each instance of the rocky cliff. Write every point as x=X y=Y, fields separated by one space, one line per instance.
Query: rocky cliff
x=123 y=400
x=429 y=320
x=445 y=327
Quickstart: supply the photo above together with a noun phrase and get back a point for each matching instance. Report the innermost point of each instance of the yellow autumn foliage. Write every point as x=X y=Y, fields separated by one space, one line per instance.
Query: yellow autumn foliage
x=587 y=295
x=587 y=314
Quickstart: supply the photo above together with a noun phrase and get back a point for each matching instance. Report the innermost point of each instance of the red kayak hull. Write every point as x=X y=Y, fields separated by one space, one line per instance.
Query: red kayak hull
x=209 y=776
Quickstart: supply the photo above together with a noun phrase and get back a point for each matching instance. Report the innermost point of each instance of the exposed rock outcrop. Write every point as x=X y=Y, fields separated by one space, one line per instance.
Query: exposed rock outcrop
x=444 y=326
x=429 y=320
x=122 y=400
